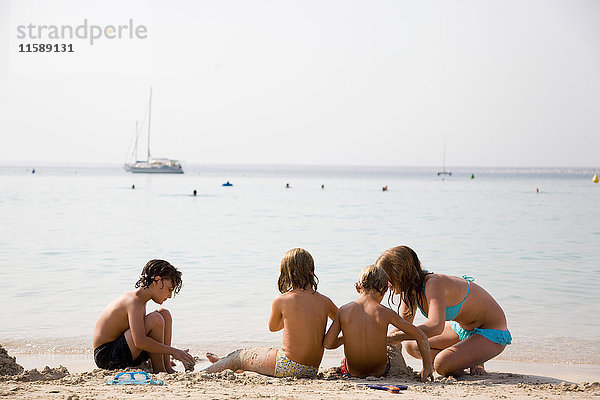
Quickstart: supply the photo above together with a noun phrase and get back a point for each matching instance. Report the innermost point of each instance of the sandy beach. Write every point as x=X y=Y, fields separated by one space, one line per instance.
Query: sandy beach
x=227 y=385
x=58 y=383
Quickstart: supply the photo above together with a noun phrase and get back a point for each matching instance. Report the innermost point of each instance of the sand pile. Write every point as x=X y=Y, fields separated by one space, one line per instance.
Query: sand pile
x=8 y=364
x=9 y=369
x=398 y=367
x=47 y=374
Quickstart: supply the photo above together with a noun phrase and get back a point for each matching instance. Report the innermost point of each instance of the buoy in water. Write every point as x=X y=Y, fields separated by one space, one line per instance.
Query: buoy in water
x=595 y=178
x=472 y=176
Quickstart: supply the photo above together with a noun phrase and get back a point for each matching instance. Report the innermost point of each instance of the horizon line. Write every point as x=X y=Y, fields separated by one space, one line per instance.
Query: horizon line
x=84 y=164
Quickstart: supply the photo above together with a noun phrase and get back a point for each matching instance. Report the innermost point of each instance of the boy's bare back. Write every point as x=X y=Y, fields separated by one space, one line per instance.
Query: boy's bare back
x=364 y=324
x=303 y=315
x=114 y=319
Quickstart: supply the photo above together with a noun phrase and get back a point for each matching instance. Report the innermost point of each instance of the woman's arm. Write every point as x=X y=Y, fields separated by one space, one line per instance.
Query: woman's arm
x=435 y=294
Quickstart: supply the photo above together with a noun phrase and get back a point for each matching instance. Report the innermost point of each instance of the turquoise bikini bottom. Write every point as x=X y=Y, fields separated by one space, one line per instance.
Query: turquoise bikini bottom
x=493 y=335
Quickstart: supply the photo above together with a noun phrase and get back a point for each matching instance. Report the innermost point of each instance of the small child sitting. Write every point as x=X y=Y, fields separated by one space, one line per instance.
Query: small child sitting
x=125 y=336
x=301 y=312
x=364 y=326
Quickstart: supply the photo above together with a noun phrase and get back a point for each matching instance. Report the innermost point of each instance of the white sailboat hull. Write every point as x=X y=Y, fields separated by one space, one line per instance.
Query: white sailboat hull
x=155 y=167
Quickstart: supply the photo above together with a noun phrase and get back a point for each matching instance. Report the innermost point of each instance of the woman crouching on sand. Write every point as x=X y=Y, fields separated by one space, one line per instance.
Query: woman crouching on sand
x=465 y=325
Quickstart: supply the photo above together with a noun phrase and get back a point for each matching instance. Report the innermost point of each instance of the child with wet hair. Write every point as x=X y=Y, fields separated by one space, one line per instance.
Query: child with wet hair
x=364 y=326
x=125 y=336
x=301 y=312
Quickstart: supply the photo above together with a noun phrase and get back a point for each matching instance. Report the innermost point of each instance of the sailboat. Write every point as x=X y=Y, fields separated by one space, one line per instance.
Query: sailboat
x=443 y=171
x=151 y=165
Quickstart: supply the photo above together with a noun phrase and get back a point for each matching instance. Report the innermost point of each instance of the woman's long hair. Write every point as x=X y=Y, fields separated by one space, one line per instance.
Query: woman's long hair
x=403 y=267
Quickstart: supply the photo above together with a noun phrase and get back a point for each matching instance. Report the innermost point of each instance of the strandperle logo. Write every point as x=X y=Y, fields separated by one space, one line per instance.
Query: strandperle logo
x=83 y=31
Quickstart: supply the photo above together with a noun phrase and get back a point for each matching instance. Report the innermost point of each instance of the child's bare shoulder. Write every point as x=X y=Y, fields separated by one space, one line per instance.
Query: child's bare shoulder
x=347 y=308
x=127 y=300
x=385 y=312
x=326 y=301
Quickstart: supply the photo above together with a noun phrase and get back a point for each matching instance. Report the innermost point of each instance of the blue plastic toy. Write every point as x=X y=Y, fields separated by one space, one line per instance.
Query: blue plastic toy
x=134 y=378
x=389 y=388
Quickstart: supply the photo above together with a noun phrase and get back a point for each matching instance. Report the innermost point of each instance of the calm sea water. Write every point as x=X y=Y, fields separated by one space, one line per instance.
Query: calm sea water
x=73 y=238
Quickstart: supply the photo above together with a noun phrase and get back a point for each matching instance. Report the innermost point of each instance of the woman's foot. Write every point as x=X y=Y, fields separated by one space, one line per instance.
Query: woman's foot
x=478 y=370
x=213 y=358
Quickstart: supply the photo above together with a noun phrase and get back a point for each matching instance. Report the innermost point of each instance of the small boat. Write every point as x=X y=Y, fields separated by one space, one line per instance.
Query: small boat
x=443 y=171
x=151 y=165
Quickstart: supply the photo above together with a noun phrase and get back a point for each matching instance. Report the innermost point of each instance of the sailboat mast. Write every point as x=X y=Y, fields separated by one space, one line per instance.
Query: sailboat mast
x=444 y=165
x=137 y=134
x=149 y=120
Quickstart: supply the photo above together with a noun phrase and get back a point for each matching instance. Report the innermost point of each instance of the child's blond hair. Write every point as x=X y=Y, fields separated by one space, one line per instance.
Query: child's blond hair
x=297 y=271
x=372 y=278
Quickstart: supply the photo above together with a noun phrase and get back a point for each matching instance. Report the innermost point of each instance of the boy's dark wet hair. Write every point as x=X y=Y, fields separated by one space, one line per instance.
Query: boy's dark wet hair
x=162 y=268
x=297 y=271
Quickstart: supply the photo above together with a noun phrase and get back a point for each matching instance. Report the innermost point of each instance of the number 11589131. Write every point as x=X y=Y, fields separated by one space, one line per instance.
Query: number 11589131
x=46 y=48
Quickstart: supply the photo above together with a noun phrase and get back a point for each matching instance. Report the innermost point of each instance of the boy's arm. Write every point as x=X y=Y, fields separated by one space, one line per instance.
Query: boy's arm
x=276 y=317
x=396 y=336
x=413 y=332
x=331 y=339
x=135 y=314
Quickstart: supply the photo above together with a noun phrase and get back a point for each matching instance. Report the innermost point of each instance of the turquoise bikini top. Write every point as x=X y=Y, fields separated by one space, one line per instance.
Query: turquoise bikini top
x=451 y=312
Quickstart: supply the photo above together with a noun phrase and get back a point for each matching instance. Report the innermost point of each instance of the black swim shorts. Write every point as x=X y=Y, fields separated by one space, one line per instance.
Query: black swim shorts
x=116 y=355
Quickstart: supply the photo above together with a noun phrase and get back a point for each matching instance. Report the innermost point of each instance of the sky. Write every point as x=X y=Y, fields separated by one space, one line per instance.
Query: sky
x=500 y=83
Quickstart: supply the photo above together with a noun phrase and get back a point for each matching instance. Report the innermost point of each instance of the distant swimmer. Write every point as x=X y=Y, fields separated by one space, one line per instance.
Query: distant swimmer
x=195 y=193
x=322 y=186
x=537 y=190
x=384 y=189
x=33 y=171
x=133 y=186
x=287 y=185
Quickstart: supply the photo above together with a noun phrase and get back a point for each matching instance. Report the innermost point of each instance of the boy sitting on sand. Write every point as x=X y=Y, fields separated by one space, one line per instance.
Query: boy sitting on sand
x=301 y=312
x=364 y=325
x=125 y=336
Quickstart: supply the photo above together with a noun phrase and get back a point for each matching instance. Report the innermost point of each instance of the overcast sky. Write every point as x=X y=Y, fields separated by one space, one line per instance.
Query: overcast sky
x=503 y=83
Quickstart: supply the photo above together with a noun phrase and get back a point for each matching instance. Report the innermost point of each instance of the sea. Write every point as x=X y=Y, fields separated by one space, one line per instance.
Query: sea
x=75 y=237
